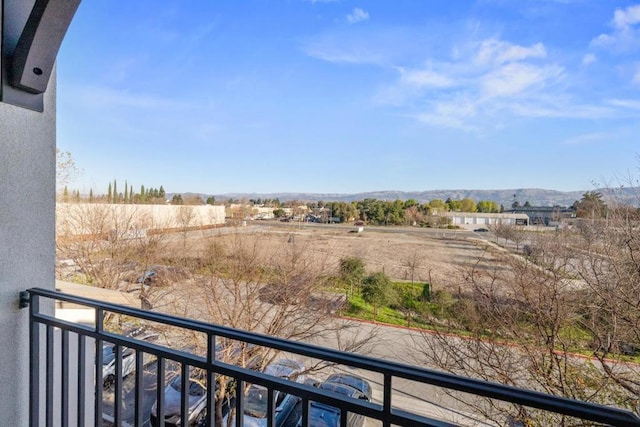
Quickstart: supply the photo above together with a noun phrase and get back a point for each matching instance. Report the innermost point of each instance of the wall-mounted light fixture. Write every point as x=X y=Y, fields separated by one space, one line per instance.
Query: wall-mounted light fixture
x=32 y=32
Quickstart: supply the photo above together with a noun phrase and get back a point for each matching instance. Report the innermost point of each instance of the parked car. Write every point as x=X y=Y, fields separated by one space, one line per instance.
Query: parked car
x=197 y=401
x=352 y=381
x=321 y=415
x=481 y=230
x=109 y=364
x=128 y=360
x=197 y=415
x=255 y=401
x=148 y=277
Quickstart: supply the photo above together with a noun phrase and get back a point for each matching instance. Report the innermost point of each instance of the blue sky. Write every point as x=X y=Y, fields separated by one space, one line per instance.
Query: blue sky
x=351 y=96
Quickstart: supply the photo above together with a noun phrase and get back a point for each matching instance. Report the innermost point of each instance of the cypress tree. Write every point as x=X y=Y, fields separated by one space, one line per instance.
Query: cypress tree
x=115 y=192
x=126 y=191
x=109 y=197
x=91 y=195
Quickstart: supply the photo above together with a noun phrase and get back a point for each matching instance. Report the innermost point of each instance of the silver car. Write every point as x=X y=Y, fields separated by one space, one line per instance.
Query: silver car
x=255 y=401
x=109 y=364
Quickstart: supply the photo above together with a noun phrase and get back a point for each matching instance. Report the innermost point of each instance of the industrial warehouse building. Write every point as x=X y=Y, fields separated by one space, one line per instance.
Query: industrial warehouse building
x=473 y=220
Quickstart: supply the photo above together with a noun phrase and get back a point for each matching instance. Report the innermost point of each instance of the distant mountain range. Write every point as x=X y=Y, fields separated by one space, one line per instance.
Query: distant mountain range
x=535 y=196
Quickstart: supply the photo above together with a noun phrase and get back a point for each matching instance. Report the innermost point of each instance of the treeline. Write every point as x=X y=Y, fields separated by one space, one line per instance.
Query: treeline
x=400 y=212
x=146 y=195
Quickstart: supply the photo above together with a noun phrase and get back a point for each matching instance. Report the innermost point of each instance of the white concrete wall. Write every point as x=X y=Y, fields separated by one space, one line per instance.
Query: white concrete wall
x=85 y=218
x=27 y=245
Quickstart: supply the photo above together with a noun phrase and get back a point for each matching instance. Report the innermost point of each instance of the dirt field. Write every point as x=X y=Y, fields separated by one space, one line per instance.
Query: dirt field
x=440 y=258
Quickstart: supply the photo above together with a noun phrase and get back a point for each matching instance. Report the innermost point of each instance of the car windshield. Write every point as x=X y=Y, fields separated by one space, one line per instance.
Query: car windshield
x=195 y=388
x=108 y=354
x=255 y=403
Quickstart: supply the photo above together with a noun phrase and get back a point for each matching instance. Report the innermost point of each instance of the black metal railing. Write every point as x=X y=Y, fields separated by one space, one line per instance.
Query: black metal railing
x=73 y=375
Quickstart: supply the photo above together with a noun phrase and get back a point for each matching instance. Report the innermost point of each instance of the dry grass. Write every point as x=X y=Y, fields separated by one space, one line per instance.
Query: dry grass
x=444 y=261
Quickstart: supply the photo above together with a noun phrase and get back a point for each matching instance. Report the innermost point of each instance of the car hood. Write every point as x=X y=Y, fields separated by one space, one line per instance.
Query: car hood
x=172 y=402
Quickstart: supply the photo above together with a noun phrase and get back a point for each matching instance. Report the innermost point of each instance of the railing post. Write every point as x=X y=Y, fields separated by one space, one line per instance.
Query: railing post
x=211 y=380
x=139 y=385
x=82 y=375
x=49 y=377
x=34 y=363
x=160 y=392
x=271 y=405
x=98 y=366
x=239 y=403
x=64 y=379
x=117 y=384
x=184 y=395
x=386 y=402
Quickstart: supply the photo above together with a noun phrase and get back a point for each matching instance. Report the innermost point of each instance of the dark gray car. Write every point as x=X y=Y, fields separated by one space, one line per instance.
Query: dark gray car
x=321 y=415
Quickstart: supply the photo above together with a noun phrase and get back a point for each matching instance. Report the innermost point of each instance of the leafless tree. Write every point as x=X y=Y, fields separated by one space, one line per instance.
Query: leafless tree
x=66 y=169
x=413 y=261
x=564 y=321
x=247 y=284
x=108 y=243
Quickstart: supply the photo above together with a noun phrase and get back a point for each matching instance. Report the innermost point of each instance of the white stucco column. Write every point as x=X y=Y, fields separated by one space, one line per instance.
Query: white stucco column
x=27 y=240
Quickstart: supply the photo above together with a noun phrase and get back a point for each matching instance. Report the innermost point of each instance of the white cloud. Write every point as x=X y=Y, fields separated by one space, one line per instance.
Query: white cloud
x=632 y=104
x=470 y=85
x=557 y=107
x=589 y=58
x=513 y=79
x=625 y=35
x=358 y=15
x=625 y=18
x=483 y=85
x=425 y=78
x=495 y=52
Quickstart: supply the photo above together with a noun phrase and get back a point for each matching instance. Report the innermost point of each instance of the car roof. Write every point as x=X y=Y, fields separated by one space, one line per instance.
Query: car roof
x=283 y=368
x=352 y=381
x=339 y=388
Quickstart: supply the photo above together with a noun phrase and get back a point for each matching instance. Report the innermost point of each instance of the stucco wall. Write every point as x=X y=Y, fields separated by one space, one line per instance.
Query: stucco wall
x=85 y=218
x=27 y=246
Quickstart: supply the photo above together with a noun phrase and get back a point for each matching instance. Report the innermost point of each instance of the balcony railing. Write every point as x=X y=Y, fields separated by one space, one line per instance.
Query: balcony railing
x=71 y=375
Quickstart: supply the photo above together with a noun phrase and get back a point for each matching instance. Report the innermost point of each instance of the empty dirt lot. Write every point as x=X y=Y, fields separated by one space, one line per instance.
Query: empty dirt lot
x=442 y=257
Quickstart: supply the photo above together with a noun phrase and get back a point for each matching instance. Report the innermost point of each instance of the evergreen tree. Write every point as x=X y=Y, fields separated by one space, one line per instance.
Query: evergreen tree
x=378 y=291
x=109 y=197
x=211 y=200
x=143 y=196
x=352 y=272
x=65 y=194
x=126 y=191
x=91 y=195
x=161 y=193
x=115 y=191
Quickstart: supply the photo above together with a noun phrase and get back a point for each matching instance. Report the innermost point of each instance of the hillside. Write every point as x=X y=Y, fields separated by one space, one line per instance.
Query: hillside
x=535 y=196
